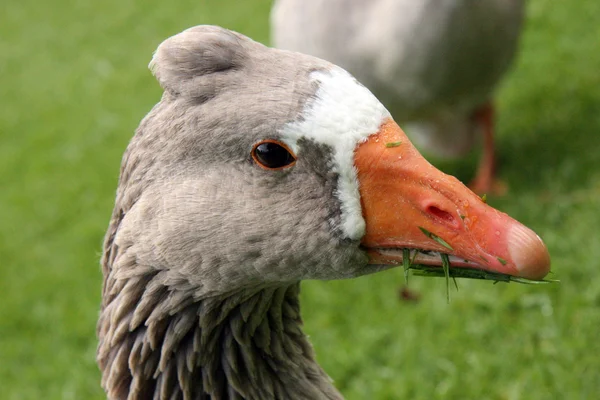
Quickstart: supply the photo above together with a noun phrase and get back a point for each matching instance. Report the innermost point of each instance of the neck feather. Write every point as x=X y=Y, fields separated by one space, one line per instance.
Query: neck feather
x=162 y=344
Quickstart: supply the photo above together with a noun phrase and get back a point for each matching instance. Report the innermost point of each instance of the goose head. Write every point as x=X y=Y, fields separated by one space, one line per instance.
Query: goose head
x=260 y=168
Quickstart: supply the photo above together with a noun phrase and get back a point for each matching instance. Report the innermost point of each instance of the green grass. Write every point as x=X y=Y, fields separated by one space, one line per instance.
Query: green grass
x=74 y=86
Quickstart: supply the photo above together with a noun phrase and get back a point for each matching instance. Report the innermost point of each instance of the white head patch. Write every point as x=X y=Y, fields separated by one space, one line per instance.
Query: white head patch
x=342 y=115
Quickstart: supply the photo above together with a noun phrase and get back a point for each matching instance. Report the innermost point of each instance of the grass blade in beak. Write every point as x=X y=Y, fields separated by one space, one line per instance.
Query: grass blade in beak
x=406 y=263
x=473 y=273
x=446 y=266
x=532 y=282
x=436 y=238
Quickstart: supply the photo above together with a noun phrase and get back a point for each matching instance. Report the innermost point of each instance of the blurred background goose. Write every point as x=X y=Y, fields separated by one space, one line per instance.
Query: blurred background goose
x=260 y=168
x=433 y=63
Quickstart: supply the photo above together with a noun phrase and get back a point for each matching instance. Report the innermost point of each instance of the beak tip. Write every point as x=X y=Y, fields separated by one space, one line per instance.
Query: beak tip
x=528 y=252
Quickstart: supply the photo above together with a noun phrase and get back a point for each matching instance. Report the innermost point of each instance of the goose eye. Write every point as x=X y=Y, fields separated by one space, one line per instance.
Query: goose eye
x=271 y=154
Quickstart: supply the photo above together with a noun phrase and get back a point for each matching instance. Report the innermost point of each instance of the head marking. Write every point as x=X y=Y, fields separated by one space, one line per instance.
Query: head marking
x=342 y=114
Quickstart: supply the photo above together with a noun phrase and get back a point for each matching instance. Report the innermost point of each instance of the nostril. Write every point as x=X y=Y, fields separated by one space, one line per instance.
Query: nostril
x=441 y=214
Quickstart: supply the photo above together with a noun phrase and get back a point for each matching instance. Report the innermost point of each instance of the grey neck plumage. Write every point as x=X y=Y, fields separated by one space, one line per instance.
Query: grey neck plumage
x=161 y=344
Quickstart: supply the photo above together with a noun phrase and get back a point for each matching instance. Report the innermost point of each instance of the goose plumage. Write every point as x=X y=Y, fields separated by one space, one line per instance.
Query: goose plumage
x=211 y=235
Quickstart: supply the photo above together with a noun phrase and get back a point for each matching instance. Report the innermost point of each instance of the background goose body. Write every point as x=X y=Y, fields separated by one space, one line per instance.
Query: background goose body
x=207 y=243
x=434 y=64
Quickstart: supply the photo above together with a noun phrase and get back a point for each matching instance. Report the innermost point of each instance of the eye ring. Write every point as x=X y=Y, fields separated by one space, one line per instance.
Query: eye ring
x=273 y=155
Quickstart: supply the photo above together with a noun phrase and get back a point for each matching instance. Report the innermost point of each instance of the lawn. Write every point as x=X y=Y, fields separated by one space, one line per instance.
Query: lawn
x=74 y=85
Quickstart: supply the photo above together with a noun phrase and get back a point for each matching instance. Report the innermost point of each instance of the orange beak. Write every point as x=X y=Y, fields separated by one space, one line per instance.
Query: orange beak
x=404 y=197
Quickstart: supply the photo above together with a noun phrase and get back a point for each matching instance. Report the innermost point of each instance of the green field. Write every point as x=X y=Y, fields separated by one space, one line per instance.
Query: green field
x=73 y=87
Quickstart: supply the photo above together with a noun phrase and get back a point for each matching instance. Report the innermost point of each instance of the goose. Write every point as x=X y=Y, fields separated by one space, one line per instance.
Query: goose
x=434 y=63
x=257 y=169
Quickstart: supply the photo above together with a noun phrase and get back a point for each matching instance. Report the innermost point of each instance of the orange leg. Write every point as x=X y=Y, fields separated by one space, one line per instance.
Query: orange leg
x=485 y=181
